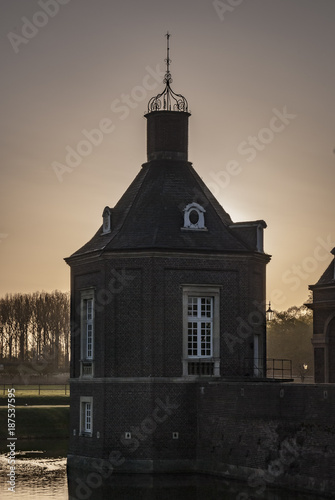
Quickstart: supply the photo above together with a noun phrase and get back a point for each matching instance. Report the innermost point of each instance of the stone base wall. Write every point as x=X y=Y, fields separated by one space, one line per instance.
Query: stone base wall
x=268 y=434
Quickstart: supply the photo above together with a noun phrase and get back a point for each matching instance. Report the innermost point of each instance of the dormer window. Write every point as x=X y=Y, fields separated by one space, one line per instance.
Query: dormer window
x=106 y=220
x=260 y=245
x=194 y=217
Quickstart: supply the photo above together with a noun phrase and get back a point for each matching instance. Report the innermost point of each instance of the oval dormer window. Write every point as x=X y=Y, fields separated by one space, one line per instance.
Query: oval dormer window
x=194 y=217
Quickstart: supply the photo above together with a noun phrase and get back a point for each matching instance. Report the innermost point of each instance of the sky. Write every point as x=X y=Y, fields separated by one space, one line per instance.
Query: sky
x=76 y=77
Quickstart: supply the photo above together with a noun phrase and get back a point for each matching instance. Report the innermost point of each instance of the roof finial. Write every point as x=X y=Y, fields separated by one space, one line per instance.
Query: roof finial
x=168 y=100
x=168 y=60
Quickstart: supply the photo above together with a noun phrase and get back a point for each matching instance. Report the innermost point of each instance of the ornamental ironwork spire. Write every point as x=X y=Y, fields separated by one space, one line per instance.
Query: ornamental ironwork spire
x=168 y=100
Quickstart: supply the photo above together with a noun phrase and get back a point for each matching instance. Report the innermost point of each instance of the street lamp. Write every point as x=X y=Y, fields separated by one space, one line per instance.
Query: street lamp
x=269 y=312
x=303 y=371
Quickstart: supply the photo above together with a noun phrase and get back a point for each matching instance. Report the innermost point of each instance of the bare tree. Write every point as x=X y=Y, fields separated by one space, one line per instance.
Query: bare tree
x=35 y=329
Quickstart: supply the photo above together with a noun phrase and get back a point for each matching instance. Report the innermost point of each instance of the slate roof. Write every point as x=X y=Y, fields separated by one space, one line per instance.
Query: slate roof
x=150 y=215
x=328 y=276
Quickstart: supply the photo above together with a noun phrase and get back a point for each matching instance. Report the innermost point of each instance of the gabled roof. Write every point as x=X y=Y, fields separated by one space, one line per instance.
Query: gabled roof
x=150 y=215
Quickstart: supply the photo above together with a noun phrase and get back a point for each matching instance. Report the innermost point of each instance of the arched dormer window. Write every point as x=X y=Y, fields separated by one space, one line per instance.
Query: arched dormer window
x=194 y=217
x=106 y=220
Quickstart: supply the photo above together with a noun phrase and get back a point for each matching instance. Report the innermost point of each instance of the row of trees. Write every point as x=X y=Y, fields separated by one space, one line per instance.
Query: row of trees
x=35 y=331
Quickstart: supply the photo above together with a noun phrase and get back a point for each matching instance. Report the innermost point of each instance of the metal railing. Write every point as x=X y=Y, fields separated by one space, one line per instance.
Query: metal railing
x=87 y=368
x=275 y=368
x=279 y=368
x=37 y=389
x=201 y=367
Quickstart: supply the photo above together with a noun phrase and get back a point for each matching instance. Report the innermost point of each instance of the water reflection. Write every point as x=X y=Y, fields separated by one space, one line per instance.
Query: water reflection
x=41 y=474
x=83 y=486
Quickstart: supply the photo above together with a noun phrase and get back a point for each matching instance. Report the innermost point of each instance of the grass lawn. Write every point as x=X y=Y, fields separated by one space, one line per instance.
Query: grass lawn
x=37 y=400
x=38 y=423
x=36 y=390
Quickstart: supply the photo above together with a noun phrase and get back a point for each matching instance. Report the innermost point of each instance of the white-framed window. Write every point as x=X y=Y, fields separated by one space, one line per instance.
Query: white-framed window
x=194 y=217
x=86 y=416
x=106 y=220
x=200 y=326
x=201 y=330
x=87 y=332
x=88 y=305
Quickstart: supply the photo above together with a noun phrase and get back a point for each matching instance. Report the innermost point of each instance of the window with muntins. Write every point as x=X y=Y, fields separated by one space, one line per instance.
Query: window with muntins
x=89 y=328
x=201 y=330
x=87 y=333
x=86 y=415
x=200 y=326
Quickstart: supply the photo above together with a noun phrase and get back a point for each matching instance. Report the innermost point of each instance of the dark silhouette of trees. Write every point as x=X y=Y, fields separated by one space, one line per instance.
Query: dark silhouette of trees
x=289 y=336
x=35 y=332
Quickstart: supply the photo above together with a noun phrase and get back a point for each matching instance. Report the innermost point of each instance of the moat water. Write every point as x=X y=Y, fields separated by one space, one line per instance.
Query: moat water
x=41 y=474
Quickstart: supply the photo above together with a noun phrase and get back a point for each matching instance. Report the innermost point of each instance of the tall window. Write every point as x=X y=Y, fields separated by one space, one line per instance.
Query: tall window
x=86 y=416
x=88 y=306
x=200 y=326
x=87 y=332
x=201 y=330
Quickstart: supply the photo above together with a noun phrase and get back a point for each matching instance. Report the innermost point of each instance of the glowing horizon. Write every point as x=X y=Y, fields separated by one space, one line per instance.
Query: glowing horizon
x=73 y=133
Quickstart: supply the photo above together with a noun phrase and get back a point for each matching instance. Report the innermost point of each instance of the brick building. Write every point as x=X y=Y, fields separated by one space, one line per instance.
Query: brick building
x=168 y=345
x=168 y=291
x=323 y=340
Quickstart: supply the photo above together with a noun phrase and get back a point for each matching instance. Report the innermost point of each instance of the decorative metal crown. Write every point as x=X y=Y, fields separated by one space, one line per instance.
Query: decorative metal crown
x=168 y=100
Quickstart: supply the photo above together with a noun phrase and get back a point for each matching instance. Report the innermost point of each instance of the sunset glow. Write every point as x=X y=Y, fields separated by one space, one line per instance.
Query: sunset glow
x=76 y=79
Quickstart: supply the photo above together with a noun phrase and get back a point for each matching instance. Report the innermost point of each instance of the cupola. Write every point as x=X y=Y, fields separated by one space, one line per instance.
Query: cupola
x=167 y=121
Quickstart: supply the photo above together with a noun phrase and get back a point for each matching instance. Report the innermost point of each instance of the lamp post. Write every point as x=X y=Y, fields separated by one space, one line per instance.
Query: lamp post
x=303 y=371
x=269 y=312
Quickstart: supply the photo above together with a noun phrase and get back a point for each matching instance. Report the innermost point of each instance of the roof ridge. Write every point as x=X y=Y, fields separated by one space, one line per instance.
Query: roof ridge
x=215 y=203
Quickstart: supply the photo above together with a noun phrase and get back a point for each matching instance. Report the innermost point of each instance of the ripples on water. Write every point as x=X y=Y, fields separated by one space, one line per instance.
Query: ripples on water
x=36 y=477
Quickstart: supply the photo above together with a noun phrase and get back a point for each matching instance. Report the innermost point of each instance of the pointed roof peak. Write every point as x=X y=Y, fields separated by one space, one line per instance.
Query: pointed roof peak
x=168 y=100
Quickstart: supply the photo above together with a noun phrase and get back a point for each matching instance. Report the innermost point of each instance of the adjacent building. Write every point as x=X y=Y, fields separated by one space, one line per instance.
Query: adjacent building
x=323 y=340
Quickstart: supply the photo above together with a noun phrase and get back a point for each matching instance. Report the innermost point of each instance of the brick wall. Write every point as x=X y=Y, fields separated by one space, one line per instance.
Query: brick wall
x=138 y=312
x=284 y=431
x=266 y=433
